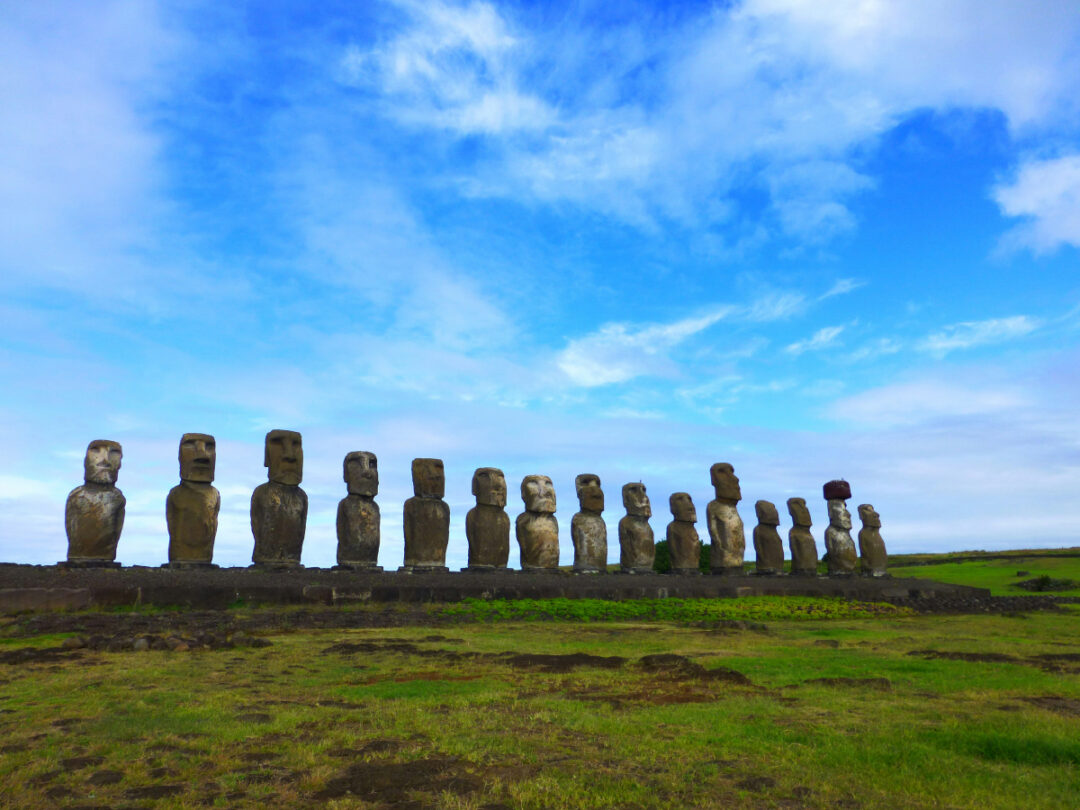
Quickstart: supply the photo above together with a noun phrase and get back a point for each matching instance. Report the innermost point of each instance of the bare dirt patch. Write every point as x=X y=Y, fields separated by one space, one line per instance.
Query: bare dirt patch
x=396 y=783
x=1056 y=704
x=883 y=684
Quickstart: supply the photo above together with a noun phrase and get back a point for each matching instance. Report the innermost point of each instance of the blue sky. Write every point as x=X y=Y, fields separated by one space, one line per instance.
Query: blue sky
x=811 y=239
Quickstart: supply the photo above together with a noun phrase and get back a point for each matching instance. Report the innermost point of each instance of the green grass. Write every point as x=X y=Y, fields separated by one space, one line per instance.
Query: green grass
x=1000 y=576
x=275 y=726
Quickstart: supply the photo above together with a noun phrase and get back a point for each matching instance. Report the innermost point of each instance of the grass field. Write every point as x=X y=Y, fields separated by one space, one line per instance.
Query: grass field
x=999 y=575
x=794 y=704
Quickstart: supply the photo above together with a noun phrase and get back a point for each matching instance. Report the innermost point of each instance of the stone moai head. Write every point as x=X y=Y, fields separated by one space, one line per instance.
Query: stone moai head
x=766 y=513
x=489 y=487
x=839 y=516
x=361 y=472
x=102 y=462
x=636 y=501
x=682 y=507
x=590 y=495
x=198 y=457
x=284 y=457
x=838 y=489
x=538 y=493
x=869 y=516
x=800 y=515
x=428 y=478
x=725 y=482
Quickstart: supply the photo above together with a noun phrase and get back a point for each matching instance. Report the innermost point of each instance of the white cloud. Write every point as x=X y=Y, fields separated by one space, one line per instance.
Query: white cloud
x=969 y=334
x=923 y=401
x=842 y=287
x=821 y=339
x=618 y=352
x=1046 y=194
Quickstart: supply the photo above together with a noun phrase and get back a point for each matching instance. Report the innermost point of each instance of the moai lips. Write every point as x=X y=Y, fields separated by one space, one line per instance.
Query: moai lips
x=279 y=507
x=487 y=526
x=725 y=525
x=94 y=513
x=536 y=528
x=804 y=557
x=768 y=546
x=358 y=517
x=587 y=528
x=637 y=549
x=684 y=544
x=872 y=556
x=426 y=518
x=192 y=507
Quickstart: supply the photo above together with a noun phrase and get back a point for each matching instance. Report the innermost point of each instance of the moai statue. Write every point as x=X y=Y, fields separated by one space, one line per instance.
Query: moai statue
x=838 y=543
x=637 y=551
x=487 y=526
x=872 y=554
x=358 y=518
x=191 y=510
x=426 y=518
x=94 y=515
x=279 y=507
x=587 y=529
x=684 y=545
x=804 y=559
x=768 y=547
x=537 y=529
x=725 y=525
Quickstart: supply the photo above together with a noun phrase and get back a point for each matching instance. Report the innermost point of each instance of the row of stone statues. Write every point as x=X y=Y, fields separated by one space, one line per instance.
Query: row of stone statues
x=95 y=516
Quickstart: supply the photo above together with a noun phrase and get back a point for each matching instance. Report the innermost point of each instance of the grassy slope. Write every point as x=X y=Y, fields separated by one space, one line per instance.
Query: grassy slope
x=999 y=575
x=276 y=725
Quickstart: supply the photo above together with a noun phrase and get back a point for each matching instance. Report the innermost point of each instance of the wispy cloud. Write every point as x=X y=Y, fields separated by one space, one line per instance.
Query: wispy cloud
x=842 y=287
x=969 y=334
x=821 y=339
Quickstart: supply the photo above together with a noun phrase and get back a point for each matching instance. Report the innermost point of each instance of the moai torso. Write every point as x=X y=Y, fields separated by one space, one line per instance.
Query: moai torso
x=279 y=507
x=358 y=517
x=872 y=556
x=684 y=545
x=536 y=528
x=427 y=517
x=587 y=528
x=192 y=507
x=725 y=525
x=487 y=526
x=804 y=557
x=838 y=543
x=94 y=513
x=637 y=549
x=768 y=547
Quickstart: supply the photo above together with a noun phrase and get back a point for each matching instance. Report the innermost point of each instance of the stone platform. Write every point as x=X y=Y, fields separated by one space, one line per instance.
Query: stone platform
x=31 y=588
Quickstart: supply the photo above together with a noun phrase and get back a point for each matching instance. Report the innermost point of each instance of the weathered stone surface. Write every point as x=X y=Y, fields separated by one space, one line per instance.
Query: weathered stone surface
x=587 y=528
x=873 y=559
x=279 y=507
x=94 y=514
x=768 y=546
x=725 y=525
x=684 y=544
x=837 y=490
x=427 y=518
x=536 y=528
x=192 y=507
x=804 y=556
x=358 y=517
x=487 y=526
x=637 y=548
x=838 y=543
